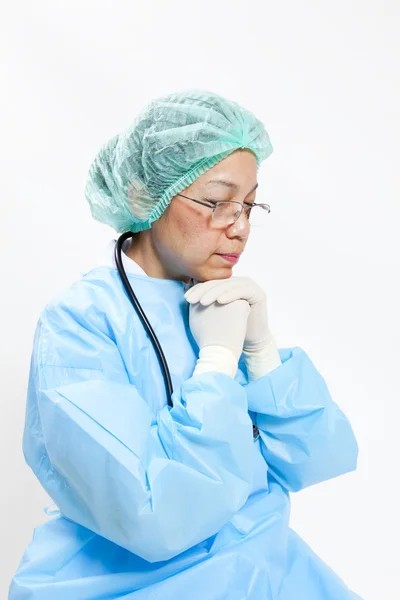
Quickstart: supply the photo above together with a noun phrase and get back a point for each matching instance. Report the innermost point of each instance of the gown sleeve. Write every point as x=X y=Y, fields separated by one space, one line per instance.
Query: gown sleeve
x=155 y=484
x=306 y=438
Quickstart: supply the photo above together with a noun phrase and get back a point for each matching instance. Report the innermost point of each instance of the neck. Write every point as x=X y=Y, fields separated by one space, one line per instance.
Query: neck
x=143 y=252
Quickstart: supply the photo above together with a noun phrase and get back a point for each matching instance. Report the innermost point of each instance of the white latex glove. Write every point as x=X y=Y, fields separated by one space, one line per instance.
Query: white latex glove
x=259 y=348
x=219 y=331
x=225 y=291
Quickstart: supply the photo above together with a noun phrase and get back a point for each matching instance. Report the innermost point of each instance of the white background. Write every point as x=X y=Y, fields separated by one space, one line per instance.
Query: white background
x=324 y=78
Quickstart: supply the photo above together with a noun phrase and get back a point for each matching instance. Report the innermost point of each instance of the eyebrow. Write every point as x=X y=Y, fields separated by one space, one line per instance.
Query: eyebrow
x=229 y=184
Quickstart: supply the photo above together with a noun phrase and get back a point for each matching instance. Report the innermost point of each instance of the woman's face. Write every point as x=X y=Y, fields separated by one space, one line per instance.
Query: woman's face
x=186 y=240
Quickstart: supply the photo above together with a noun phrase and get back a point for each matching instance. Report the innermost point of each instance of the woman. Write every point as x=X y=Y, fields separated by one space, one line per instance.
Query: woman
x=182 y=497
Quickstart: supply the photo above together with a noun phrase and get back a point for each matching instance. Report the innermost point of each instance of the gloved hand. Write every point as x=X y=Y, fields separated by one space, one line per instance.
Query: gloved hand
x=260 y=350
x=225 y=291
x=219 y=331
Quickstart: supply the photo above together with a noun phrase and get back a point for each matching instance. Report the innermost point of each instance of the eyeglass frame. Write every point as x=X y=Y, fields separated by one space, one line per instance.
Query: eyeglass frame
x=215 y=203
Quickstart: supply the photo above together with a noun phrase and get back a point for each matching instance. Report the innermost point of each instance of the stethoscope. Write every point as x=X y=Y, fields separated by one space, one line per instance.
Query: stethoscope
x=146 y=324
x=141 y=314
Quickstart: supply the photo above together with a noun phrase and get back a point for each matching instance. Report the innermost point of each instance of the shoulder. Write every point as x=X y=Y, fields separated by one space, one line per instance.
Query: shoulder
x=87 y=296
x=88 y=304
x=75 y=337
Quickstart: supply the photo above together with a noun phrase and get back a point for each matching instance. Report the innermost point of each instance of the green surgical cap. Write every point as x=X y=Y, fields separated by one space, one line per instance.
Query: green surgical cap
x=173 y=140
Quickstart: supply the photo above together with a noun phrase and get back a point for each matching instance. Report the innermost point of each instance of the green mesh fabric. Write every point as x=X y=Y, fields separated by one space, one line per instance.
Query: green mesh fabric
x=173 y=140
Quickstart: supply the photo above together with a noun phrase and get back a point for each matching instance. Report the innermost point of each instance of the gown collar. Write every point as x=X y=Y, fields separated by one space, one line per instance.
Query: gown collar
x=131 y=267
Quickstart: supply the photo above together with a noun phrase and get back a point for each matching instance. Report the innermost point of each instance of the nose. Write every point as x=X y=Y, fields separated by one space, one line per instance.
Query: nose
x=240 y=228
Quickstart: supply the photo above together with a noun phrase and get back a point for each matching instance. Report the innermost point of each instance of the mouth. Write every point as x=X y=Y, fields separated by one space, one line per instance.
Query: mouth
x=232 y=258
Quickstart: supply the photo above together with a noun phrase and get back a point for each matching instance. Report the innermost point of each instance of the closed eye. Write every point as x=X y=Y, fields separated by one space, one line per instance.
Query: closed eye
x=214 y=202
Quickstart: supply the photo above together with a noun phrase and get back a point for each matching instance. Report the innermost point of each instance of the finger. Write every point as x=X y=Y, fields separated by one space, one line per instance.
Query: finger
x=224 y=295
x=246 y=291
x=225 y=291
x=213 y=294
x=249 y=291
x=234 y=294
x=196 y=293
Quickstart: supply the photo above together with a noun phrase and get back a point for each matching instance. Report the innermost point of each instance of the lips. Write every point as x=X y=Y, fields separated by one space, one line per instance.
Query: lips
x=233 y=254
x=232 y=258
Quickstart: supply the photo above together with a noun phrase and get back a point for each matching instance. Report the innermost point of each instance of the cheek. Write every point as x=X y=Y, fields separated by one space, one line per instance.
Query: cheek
x=199 y=242
x=189 y=238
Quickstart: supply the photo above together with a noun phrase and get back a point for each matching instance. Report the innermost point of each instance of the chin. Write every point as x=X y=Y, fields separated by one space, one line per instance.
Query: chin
x=208 y=273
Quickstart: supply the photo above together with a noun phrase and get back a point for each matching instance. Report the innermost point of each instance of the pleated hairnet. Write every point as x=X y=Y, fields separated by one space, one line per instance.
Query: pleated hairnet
x=173 y=140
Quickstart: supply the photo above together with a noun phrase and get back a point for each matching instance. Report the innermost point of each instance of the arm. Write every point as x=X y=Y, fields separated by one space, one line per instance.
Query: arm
x=153 y=484
x=305 y=436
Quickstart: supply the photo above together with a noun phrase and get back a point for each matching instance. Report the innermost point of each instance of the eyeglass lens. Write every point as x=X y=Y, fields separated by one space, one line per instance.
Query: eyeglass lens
x=227 y=213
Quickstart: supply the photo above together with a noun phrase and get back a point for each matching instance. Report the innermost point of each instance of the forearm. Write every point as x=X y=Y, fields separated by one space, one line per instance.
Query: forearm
x=306 y=438
x=261 y=358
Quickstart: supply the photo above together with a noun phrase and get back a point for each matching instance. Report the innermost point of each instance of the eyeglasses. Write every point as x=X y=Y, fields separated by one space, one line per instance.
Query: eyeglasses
x=227 y=212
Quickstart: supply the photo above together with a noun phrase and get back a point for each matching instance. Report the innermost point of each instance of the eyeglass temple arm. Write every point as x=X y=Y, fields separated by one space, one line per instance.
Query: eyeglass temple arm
x=215 y=202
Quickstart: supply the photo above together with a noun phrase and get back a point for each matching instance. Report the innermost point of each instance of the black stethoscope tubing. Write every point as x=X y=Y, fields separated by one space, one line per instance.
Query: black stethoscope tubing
x=136 y=305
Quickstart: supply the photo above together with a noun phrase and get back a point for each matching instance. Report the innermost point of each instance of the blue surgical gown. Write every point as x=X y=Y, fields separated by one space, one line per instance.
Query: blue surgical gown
x=169 y=503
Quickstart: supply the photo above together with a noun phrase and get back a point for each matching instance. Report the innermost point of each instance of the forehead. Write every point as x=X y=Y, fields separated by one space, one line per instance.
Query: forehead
x=236 y=172
x=227 y=184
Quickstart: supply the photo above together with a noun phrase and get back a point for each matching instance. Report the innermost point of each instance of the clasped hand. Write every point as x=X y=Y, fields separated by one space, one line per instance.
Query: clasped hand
x=226 y=291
